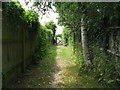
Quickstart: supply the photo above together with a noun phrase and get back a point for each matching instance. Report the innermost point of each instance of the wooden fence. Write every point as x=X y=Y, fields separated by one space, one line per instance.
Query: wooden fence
x=17 y=50
x=0 y=45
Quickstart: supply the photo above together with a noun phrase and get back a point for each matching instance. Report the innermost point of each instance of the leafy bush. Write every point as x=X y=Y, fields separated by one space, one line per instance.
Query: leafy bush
x=65 y=36
x=105 y=68
x=42 y=43
x=52 y=27
x=12 y=10
x=58 y=35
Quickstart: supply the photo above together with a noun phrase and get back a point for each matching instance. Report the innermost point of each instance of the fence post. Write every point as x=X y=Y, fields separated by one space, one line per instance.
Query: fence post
x=1 y=46
x=23 y=50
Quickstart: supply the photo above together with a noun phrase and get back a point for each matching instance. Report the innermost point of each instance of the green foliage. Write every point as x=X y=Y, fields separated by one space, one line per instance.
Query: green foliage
x=42 y=7
x=42 y=43
x=12 y=10
x=105 y=68
x=28 y=21
x=51 y=26
x=58 y=35
x=49 y=30
x=99 y=17
x=21 y=18
x=30 y=17
x=69 y=13
x=65 y=36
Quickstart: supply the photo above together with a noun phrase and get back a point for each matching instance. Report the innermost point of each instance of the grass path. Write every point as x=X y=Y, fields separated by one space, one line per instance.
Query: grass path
x=57 y=70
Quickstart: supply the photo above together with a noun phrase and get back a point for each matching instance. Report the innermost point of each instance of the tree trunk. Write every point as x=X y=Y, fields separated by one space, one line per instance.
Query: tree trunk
x=85 y=46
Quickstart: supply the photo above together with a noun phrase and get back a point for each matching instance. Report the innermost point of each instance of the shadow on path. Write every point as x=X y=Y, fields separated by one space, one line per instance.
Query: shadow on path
x=40 y=75
x=57 y=70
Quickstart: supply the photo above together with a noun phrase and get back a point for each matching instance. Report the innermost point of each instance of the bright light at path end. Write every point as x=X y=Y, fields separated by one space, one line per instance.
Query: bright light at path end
x=45 y=18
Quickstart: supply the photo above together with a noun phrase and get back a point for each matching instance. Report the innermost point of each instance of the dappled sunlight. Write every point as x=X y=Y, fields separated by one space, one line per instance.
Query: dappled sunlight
x=66 y=76
x=57 y=70
x=83 y=52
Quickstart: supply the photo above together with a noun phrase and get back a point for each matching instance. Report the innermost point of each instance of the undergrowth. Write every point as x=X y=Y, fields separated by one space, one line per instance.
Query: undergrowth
x=104 y=67
x=105 y=70
x=78 y=76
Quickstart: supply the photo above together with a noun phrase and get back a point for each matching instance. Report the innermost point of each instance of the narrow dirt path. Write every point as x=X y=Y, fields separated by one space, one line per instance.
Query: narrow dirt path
x=57 y=70
x=63 y=62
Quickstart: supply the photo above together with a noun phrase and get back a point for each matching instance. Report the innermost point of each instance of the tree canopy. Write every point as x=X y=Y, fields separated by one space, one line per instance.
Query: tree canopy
x=99 y=16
